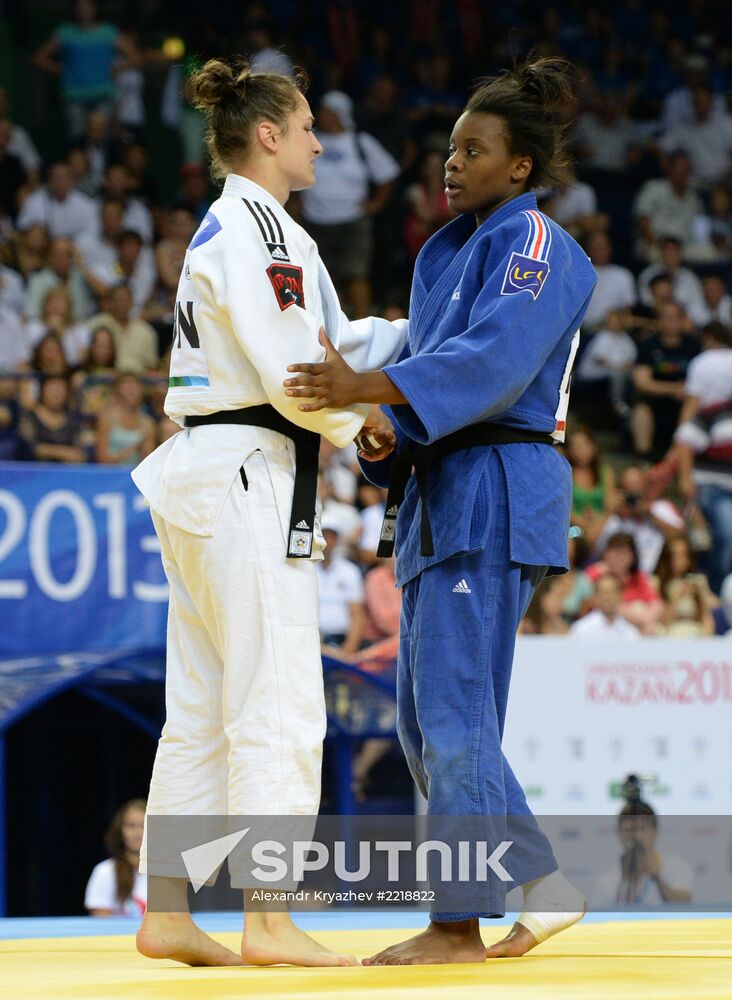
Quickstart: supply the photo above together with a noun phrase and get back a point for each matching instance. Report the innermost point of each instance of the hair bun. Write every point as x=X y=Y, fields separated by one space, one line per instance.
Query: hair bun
x=219 y=82
x=545 y=82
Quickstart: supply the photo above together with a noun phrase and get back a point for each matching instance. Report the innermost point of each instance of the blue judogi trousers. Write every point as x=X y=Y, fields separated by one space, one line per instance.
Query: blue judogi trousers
x=457 y=638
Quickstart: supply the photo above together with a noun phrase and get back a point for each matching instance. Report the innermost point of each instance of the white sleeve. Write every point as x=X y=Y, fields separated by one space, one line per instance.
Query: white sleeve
x=353 y=590
x=101 y=891
x=274 y=336
x=382 y=165
x=694 y=377
x=371 y=344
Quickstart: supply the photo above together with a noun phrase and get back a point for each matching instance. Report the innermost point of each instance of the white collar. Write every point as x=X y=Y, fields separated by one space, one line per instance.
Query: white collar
x=236 y=186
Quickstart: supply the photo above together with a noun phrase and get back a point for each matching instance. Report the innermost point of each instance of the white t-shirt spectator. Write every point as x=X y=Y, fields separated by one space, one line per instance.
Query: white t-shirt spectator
x=606 y=353
x=615 y=289
x=371 y=521
x=101 y=892
x=708 y=145
x=595 y=624
x=609 y=145
x=343 y=172
x=574 y=202
x=670 y=214
x=339 y=584
x=709 y=377
x=76 y=215
x=687 y=289
x=649 y=540
x=723 y=312
x=102 y=259
x=610 y=889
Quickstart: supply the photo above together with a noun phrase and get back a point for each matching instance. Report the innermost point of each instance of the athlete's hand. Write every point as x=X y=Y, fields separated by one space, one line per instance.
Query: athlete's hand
x=332 y=383
x=376 y=439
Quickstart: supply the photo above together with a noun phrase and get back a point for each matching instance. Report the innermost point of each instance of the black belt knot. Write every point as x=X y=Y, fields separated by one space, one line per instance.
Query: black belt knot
x=421 y=458
x=307 y=446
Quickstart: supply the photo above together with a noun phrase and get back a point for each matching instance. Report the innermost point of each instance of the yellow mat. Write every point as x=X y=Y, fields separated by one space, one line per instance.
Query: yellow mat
x=634 y=960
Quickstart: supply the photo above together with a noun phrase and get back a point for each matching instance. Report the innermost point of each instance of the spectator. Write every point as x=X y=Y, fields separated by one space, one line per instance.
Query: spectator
x=95 y=144
x=633 y=514
x=136 y=215
x=371 y=500
x=194 y=195
x=688 y=601
x=170 y=255
x=12 y=290
x=15 y=351
x=21 y=144
x=658 y=376
x=606 y=138
x=135 y=341
x=615 y=288
x=94 y=381
x=30 y=248
x=575 y=587
x=704 y=445
x=606 y=621
x=125 y=432
x=643 y=877
x=706 y=139
x=50 y=429
x=118 y=254
x=687 y=288
x=427 y=209
x=57 y=206
x=606 y=364
x=338 y=210
x=711 y=232
x=116 y=888
x=81 y=176
x=593 y=484
x=10 y=441
x=717 y=304
x=640 y=603
x=47 y=359
x=678 y=105
x=65 y=269
x=544 y=614
x=340 y=595
x=57 y=317
x=382 y=602
x=666 y=206
x=13 y=176
x=574 y=207
x=88 y=54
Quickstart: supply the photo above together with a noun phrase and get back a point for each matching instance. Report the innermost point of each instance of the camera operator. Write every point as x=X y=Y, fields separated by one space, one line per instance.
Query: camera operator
x=642 y=875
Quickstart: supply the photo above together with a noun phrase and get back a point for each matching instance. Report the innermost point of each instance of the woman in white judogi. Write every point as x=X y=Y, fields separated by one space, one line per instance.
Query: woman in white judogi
x=244 y=692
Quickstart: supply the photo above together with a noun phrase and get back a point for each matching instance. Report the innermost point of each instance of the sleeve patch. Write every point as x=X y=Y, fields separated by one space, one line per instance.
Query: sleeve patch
x=524 y=274
x=288 y=285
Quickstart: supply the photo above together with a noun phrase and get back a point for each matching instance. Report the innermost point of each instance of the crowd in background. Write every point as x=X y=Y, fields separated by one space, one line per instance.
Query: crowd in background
x=93 y=236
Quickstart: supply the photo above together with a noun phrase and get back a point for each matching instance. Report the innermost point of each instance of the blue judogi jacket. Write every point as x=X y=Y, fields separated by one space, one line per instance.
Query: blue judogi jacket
x=493 y=327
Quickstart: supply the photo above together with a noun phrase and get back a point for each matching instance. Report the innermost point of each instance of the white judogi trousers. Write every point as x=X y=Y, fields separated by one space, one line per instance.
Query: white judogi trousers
x=244 y=686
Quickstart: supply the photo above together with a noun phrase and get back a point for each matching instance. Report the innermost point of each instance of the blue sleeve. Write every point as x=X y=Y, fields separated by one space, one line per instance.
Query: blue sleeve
x=480 y=371
x=378 y=473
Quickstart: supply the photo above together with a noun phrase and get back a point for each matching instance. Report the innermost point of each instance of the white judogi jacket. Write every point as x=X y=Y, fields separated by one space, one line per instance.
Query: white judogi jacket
x=251 y=300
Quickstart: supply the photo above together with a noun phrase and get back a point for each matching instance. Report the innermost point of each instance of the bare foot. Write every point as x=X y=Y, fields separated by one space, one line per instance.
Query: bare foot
x=175 y=936
x=273 y=939
x=440 y=944
x=517 y=942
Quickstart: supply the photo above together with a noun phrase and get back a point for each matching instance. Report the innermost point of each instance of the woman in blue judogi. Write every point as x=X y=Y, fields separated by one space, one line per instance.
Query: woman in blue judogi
x=478 y=400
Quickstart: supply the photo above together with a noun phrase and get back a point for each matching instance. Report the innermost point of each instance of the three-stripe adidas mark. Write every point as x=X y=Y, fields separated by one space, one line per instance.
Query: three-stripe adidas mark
x=304 y=525
x=270 y=228
x=462 y=588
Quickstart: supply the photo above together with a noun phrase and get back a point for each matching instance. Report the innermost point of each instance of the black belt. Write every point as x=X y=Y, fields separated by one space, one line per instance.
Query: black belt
x=307 y=446
x=422 y=457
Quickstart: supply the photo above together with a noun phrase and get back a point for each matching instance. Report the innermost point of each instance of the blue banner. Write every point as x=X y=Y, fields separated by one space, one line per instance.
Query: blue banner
x=79 y=561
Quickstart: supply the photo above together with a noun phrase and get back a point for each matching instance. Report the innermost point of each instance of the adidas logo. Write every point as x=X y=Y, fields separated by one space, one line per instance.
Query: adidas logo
x=278 y=253
x=304 y=525
x=392 y=511
x=462 y=588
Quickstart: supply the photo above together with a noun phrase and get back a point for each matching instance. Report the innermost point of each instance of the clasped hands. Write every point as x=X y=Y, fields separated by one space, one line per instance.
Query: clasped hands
x=334 y=384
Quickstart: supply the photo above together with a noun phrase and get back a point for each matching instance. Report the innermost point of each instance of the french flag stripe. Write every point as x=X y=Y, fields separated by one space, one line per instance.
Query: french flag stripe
x=542 y=236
